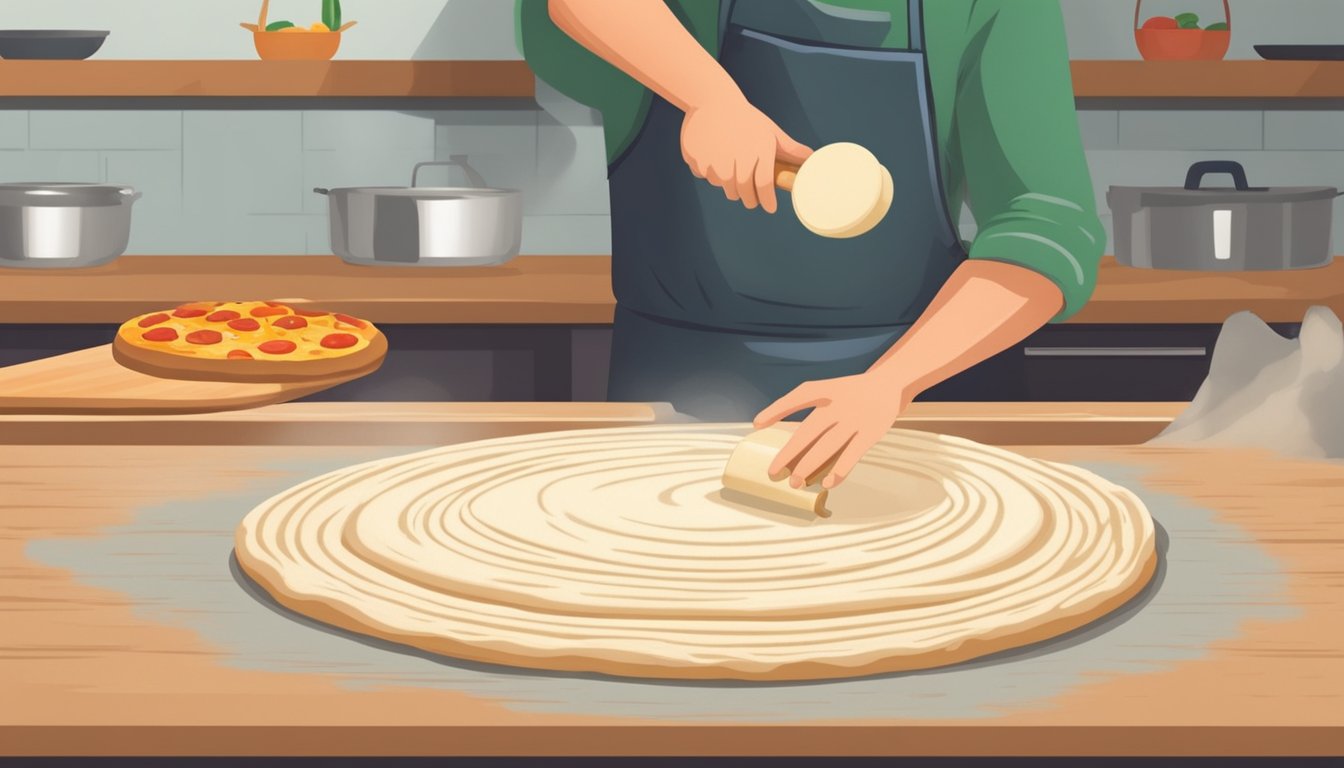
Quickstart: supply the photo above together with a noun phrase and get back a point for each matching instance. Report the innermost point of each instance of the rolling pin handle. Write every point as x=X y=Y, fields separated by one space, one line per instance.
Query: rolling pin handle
x=785 y=175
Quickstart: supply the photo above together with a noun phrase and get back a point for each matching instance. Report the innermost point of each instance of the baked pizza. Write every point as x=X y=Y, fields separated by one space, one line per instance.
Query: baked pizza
x=248 y=341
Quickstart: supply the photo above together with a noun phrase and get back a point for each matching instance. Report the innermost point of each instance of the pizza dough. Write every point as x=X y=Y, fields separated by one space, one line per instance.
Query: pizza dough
x=617 y=551
x=748 y=473
x=840 y=191
x=248 y=341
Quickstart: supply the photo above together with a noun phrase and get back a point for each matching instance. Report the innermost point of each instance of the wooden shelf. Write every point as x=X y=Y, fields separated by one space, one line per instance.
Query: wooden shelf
x=563 y=290
x=104 y=79
x=1238 y=79
x=266 y=79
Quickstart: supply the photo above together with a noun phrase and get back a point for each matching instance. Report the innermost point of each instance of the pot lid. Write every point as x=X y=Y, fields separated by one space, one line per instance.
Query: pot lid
x=426 y=193
x=62 y=195
x=1179 y=196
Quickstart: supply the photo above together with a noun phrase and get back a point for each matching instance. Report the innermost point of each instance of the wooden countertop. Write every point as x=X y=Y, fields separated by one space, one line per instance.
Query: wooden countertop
x=434 y=423
x=1203 y=80
x=111 y=78
x=101 y=669
x=425 y=79
x=570 y=290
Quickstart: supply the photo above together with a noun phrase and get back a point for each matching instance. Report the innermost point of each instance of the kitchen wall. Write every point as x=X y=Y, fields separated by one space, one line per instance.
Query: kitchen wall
x=241 y=181
x=1145 y=148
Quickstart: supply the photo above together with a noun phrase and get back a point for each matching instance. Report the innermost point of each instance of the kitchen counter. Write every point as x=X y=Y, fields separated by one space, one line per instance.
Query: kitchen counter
x=563 y=290
x=99 y=543
x=104 y=79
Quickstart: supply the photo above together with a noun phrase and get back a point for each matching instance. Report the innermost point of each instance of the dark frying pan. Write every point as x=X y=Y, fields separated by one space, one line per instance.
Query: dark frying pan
x=50 y=43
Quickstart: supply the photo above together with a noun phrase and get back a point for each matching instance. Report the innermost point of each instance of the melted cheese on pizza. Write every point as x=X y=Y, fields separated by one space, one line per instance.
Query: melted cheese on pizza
x=248 y=330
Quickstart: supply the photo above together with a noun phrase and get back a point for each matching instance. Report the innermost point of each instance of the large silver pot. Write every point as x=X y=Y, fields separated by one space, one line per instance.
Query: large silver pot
x=427 y=226
x=52 y=226
x=1222 y=229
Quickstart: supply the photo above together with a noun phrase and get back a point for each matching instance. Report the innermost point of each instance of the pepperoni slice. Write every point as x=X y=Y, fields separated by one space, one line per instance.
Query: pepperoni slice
x=339 y=340
x=268 y=311
x=278 y=347
x=348 y=320
x=223 y=316
x=160 y=334
x=154 y=320
x=291 y=323
x=245 y=325
x=275 y=304
x=310 y=313
x=240 y=354
x=190 y=312
x=204 y=338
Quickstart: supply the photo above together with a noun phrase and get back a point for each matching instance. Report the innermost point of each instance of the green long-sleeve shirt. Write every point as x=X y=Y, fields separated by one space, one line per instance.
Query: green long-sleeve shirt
x=1008 y=139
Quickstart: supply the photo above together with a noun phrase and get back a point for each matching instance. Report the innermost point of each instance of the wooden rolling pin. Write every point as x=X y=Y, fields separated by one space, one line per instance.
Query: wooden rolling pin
x=840 y=191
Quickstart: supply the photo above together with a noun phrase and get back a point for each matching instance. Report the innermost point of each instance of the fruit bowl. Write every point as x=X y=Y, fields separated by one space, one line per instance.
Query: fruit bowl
x=296 y=46
x=1180 y=38
x=283 y=41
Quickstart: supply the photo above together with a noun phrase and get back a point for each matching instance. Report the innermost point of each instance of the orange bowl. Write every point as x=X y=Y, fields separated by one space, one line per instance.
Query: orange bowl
x=297 y=46
x=1183 y=44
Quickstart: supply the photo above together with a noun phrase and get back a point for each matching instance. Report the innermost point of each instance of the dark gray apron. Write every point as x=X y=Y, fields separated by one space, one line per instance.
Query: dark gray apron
x=721 y=309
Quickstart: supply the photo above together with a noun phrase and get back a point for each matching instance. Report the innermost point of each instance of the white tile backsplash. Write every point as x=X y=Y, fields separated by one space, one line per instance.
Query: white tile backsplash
x=13 y=129
x=105 y=129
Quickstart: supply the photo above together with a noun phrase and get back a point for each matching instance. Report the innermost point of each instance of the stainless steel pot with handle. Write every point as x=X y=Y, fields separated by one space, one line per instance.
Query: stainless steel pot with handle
x=427 y=226
x=58 y=225
x=1222 y=229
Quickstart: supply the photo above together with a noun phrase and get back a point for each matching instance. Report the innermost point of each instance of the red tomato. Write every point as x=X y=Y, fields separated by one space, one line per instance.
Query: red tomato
x=1161 y=22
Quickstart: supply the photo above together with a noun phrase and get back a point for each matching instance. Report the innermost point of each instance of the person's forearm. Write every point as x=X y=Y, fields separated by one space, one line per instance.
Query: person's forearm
x=983 y=309
x=644 y=39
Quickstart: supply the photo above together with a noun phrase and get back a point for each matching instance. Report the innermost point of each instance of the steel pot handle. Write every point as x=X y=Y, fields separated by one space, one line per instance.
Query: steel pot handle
x=459 y=161
x=1195 y=178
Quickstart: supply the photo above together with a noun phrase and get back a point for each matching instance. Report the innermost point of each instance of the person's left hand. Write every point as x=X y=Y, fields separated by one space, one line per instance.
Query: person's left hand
x=849 y=416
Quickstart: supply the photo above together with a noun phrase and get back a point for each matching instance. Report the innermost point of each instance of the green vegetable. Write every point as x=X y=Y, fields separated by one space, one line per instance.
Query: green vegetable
x=276 y=26
x=1187 y=20
x=1218 y=27
x=331 y=14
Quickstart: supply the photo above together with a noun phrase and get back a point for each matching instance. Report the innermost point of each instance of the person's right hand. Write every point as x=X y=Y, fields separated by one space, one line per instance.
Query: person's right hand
x=734 y=146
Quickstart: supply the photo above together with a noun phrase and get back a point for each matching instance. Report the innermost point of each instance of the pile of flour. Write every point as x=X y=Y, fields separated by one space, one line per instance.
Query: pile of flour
x=1265 y=391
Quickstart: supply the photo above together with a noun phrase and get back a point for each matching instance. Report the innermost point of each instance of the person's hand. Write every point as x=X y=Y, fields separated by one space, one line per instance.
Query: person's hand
x=849 y=416
x=734 y=146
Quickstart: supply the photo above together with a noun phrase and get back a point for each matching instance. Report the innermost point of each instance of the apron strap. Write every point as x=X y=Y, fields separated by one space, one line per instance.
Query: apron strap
x=725 y=17
x=916 y=9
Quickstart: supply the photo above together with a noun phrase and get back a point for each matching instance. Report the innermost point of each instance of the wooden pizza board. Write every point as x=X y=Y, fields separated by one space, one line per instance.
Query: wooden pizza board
x=90 y=381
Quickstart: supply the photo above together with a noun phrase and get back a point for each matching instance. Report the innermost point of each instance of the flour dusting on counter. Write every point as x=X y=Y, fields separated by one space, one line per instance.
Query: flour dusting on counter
x=1267 y=391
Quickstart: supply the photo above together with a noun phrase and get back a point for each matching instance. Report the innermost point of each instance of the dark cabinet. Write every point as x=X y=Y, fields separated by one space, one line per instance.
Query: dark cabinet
x=552 y=363
x=1096 y=363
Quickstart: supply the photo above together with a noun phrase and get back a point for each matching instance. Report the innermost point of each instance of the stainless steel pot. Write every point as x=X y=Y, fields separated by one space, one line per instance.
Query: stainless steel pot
x=1222 y=229
x=427 y=226
x=52 y=226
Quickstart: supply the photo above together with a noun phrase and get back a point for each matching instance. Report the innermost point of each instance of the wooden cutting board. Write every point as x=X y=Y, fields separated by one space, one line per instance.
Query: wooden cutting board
x=91 y=382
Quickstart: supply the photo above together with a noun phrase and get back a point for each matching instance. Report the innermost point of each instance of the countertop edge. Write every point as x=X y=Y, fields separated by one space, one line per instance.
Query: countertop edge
x=963 y=740
x=565 y=290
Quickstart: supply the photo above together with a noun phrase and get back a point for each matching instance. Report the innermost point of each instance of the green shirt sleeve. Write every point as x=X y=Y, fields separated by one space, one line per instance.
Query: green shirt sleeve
x=583 y=76
x=1026 y=175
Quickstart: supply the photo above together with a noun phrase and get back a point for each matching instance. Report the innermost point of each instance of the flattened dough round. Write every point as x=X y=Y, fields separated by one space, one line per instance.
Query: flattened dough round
x=841 y=191
x=617 y=551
